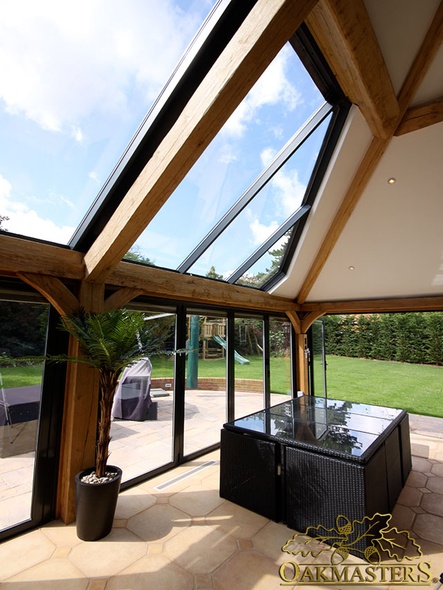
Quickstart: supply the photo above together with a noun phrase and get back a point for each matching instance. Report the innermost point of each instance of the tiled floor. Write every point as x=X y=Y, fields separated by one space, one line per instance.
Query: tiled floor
x=182 y=535
x=136 y=447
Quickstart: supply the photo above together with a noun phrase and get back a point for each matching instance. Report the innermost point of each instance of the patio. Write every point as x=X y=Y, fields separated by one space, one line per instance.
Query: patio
x=137 y=447
x=174 y=531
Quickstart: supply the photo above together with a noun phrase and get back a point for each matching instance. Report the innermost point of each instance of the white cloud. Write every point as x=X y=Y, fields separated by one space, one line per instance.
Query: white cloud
x=93 y=176
x=267 y=155
x=77 y=133
x=261 y=232
x=26 y=221
x=59 y=61
x=5 y=189
x=273 y=87
x=289 y=190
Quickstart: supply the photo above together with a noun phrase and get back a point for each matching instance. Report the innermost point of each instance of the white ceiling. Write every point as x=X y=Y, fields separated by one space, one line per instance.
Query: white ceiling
x=394 y=237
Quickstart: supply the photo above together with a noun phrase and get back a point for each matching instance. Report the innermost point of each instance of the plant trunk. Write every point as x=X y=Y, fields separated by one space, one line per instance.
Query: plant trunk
x=108 y=385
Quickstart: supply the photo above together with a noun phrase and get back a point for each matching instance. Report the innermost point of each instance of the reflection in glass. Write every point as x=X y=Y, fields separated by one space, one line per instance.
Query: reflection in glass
x=23 y=334
x=342 y=428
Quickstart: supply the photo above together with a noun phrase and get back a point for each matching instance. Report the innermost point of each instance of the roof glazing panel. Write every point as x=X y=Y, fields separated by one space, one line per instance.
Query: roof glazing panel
x=281 y=102
x=76 y=80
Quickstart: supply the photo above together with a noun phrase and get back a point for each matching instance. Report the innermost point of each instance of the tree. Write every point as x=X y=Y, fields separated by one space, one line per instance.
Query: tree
x=2 y=219
x=212 y=274
x=135 y=255
x=109 y=342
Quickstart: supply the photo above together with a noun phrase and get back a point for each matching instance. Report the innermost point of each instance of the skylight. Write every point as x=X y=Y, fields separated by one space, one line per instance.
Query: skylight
x=241 y=200
x=76 y=80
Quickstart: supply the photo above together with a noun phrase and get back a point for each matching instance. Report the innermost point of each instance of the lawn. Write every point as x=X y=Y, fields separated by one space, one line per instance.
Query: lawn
x=417 y=389
x=21 y=376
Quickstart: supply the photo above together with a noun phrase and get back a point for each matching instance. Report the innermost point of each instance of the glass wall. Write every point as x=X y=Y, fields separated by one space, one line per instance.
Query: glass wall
x=318 y=359
x=280 y=360
x=142 y=427
x=205 y=388
x=170 y=405
x=23 y=333
x=249 y=366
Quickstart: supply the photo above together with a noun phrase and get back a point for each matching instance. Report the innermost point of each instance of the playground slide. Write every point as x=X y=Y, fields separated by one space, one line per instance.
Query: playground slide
x=238 y=357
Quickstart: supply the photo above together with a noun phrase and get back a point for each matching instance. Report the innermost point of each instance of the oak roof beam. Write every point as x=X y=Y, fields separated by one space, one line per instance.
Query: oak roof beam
x=402 y=304
x=20 y=255
x=421 y=116
x=156 y=282
x=344 y=33
x=370 y=160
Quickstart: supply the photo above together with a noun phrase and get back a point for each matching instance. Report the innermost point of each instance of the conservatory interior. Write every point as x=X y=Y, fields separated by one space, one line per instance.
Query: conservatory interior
x=288 y=168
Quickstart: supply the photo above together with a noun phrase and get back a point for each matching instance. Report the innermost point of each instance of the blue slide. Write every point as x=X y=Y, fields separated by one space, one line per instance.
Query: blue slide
x=238 y=357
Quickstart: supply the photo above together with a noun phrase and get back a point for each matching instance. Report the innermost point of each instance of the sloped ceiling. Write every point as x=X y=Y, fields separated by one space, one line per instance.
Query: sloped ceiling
x=392 y=244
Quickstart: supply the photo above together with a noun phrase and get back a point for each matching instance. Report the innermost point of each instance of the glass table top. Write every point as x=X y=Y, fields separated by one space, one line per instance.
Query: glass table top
x=326 y=425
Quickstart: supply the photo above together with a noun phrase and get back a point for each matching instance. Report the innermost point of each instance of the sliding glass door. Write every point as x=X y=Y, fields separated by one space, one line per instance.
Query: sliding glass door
x=280 y=345
x=205 y=387
x=142 y=427
x=23 y=333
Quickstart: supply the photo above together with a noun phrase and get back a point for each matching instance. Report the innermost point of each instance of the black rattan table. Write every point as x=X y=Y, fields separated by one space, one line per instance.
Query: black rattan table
x=308 y=460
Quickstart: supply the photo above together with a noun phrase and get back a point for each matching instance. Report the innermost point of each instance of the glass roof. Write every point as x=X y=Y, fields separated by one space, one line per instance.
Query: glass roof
x=249 y=181
x=76 y=80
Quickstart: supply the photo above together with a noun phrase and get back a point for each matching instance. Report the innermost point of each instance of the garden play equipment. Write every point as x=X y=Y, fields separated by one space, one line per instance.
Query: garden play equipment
x=238 y=357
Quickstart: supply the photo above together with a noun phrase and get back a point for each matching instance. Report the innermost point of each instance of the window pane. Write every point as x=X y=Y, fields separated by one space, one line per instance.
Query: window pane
x=249 y=385
x=142 y=427
x=205 y=391
x=280 y=359
x=267 y=266
x=277 y=200
x=23 y=334
x=76 y=81
x=279 y=104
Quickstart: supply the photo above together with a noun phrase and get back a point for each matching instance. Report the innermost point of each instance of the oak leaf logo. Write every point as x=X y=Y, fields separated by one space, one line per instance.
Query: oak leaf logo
x=381 y=541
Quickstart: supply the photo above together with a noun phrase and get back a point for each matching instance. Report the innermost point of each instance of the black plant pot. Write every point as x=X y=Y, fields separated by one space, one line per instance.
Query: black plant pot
x=95 y=505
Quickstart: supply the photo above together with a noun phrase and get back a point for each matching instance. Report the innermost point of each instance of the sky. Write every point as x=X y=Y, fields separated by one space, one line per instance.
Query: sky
x=76 y=80
x=271 y=114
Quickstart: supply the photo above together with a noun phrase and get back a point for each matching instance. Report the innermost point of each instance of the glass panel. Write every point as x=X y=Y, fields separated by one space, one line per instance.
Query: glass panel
x=75 y=84
x=271 y=207
x=142 y=427
x=279 y=104
x=336 y=427
x=205 y=390
x=318 y=356
x=23 y=334
x=267 y=266
x=249 y=384
x=280 y=359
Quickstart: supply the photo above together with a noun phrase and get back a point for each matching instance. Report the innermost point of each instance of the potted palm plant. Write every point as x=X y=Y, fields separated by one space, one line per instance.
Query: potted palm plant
x=108 y=342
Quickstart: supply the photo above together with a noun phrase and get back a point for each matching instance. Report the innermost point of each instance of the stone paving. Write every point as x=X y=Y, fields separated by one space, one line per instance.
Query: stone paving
x=175 y=532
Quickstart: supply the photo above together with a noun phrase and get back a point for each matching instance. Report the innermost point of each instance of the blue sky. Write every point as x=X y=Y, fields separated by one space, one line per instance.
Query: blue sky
x=77 y=79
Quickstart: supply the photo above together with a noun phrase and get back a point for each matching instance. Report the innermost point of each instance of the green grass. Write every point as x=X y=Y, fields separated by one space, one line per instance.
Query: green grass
x=21 y=376
x=280 y=370
x=417 y=389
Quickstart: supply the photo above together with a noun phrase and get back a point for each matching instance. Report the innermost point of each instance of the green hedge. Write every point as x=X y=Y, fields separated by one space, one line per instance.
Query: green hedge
x=402 y=337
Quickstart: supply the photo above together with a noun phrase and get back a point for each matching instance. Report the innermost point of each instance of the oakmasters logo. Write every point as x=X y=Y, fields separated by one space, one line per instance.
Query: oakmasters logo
x=367 y=551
